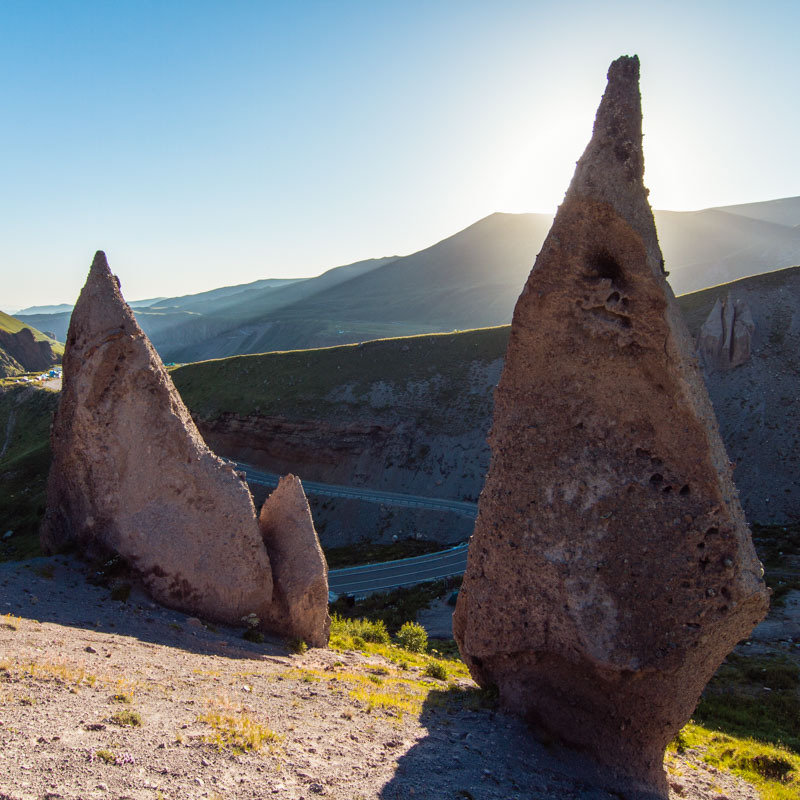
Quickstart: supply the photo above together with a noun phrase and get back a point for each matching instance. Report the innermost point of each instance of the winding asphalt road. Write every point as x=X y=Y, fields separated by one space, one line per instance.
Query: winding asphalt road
x=256 y=476
x=369 y=578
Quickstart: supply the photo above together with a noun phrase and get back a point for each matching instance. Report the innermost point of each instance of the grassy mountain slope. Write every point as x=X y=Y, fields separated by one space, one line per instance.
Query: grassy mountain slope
x=413 y=413
x=25 y=349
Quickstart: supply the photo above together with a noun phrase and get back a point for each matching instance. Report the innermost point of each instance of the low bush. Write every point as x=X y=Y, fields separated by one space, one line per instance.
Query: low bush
x=366 y=629
x=413 y=637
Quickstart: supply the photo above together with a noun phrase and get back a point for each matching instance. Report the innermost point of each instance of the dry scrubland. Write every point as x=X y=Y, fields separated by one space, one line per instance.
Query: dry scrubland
x=110 y=698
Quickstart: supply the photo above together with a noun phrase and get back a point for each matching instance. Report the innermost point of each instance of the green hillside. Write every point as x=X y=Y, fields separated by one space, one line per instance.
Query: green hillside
x=25 y=416
x=25 y=349
x=13 y=325
x=296 y=384
x=299 y=384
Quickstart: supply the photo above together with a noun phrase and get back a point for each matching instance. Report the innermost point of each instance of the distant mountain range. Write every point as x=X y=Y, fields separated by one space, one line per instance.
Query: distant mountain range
x=471 y=279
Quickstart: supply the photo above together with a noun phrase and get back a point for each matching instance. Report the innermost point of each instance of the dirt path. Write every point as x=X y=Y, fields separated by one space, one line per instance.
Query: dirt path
x=76 y=665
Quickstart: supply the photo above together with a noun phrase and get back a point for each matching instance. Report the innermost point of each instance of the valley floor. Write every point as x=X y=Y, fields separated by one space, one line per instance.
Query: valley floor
x=101 y=698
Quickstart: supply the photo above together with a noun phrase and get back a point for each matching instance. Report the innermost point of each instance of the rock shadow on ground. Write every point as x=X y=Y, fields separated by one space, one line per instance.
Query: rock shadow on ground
x=56 y=589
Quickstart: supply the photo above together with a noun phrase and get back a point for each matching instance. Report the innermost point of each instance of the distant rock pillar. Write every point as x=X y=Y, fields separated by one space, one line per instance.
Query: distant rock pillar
x=725 y=337
x=611 y=569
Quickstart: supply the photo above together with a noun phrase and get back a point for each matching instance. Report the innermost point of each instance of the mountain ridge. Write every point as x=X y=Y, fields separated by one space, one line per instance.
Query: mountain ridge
x=470 y=279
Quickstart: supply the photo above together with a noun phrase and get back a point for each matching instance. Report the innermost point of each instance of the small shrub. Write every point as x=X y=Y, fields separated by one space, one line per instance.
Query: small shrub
x=253 y=635
x=413 y=637
x=435 y=669
x=106 y=755
x=297 y=646
x=127 y=718
x=122 y=698
x=237 y=732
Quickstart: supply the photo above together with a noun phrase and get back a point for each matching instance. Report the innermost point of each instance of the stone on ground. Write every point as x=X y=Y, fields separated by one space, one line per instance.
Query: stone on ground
x=299 y=569
x=611 y=569
x=131 y=475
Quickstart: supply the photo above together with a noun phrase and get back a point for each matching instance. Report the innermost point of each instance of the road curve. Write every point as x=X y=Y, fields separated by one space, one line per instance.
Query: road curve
x=370 y=578
x=257 y=476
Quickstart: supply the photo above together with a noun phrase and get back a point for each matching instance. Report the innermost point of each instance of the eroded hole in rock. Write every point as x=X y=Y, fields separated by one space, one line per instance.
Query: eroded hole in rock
x=712 y=531
x=685 y=490
x=603 y=266
x=611 y=316
x=666 y=489
x=656 y=478
x=613 y=298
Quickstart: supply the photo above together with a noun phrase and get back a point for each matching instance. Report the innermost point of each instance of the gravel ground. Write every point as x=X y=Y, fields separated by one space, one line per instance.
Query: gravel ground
x=75 y=666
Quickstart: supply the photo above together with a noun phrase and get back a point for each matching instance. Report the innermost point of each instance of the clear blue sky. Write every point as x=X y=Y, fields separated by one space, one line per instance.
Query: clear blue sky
x=209 y=143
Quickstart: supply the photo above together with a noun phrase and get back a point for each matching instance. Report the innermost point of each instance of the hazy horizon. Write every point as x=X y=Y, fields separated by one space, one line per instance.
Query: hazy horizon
x=206 y=144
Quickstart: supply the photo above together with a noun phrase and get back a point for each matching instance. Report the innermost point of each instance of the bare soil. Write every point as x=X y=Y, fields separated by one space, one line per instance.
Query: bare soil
x=76 y=665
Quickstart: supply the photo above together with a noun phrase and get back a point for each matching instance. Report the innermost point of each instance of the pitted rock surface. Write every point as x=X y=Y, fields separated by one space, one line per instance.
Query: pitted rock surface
x=611 y=569
x=299 y=569
x=132 y=476
x=726 y=336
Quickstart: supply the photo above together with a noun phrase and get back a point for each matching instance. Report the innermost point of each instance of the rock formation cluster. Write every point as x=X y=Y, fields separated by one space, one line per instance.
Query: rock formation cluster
x=725 y=338
x=611 y=569
x=132 y=476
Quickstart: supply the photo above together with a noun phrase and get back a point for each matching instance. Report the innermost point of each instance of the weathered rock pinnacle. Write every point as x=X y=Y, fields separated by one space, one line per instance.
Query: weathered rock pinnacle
x=300 y=572
x=132 y=476
x=726 y=336
x=611 y=569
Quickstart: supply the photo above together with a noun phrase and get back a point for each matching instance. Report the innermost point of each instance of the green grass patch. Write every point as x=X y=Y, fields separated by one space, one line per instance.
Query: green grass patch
x=24 y=468
x=756 y=697
x=367 y=630
x=773 y=770
x=396 y=607
x=235 y=731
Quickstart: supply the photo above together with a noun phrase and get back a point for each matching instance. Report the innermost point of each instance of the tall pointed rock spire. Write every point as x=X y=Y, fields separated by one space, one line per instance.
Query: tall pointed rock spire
x=132 y=476
x=611 y=569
